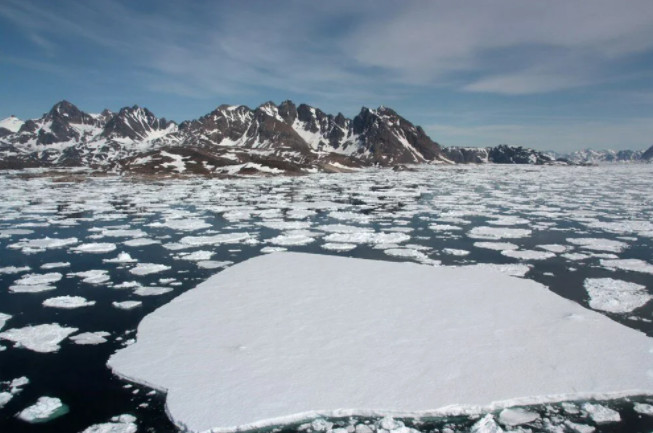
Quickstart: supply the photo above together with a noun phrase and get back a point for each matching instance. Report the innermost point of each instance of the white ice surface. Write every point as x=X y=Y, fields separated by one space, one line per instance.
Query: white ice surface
x=90 y=338
x=601 y=414
x=68 y=302
x=635 y=265
x=95 y=247
x=39 y=338
x=299 y=335
x=3 y=319
x=126 y=305
x=496 y=233
x=148 y=268
x=43 y=410
x=598 y=244
x=615 y=296
x=118 y=424
x=528 y=254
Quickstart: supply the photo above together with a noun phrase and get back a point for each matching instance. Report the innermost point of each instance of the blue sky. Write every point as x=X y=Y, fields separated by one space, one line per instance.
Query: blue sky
x=558 y=75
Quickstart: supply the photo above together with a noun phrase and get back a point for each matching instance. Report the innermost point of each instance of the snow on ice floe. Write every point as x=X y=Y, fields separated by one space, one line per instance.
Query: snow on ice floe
x=184 y=225
x=517 y=416
x=40 y=245
x=148 y=268
x=490 y=338
x=269 y=249
x=554 y=248
x=295 y=237
x=635 y=265
x=3 y=319
x=55 y=265
x=615 y=296
x=335 y=246
x=497 y=246
x=68 y=302
x=127 y=305
x=118 y=424
x=141 y=242
x=196 y=256
x=14 y=269
x=528 y=254
x=643 y=408
x=444 y=227
x=93 y=276
x=151 y=290
x=44 y=410
x=219 y=239
x=213 y=264
x=601 y=414
x=39 y=338
x=95 y=247
x=34 y=283
x=496 y=233
x=598 y=244
x=368 y=237
x=90 y=338
x=455 y=252
x=121 y=258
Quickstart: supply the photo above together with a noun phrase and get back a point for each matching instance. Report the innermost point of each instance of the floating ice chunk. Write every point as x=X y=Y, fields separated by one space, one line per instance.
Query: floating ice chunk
x=517 y=416
x=39 y=245
x=68 y=302
x=410 y=253
x=512 y=269
x=118 y=424
x=122 y=233
x=334 y=246
x=635 y=265
x=223 y=238
x=487 y=424
x=122 y=258
x=34 y=279
x=127 y=305
x=601 y=414
x=3 y=319
x=367 y=238
x=212 y=264
x=554 y=248
x=615 y=296
x=528 y=254
x=91 y=338
x=148 y=268
x=496 y=233
x=508 y=220
x=444 y=228
x=93 y=276
x=455 y=252
x=39 y=338
x=14 y=269
x=643 y=408
x=185 y=225
x=152 y=290
x=197 y=256
x=292 y=238
x=598 y=244
x=95 y=247
x=579 y=428
x=5 y=397
x=269 y=249
x=34 y=288
x=497 y=246
x=141 y=242
x=55 y=265
x=576 y=256
x=15 y=232
x=227 y=338
x=44 y=410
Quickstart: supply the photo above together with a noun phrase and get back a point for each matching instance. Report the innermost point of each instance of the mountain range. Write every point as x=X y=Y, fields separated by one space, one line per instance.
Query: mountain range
x=284 y=138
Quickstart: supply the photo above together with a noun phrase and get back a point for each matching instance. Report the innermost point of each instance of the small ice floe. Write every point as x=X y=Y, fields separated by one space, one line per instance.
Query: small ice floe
x=39 y=338
x=411 y=254
x=496 y=233
x=95 y=248
x=196 y=256
x=615 y=296
x=293 y=238
x=10 y=388
x=554 y=248
x=269 y=249
x=148 y=268
x=635 y=265
x=219 y=239
x=3 y=319
x=55 y=265
x=513 y=269
x=508 y=220
x=367 y=237
x=121 y=258
x=126 y=285
x=528 y=254
x=643 y=408
x=90 y=338
x=184 y=225
x=120 y=233
x=126 y=305
x=151 y=290
x=141 y=242
x=44 y=410
x=497 y=246
x=343 y=228
x=15 y=232
x=14 y=269
x=598 y=244
x=444 y=227
x=576 y=256
x=487 y=424
x=579 y=428
x=601 y=414
x=34 y=283
x=213 y=264
x=93 y=276
x=336 y=246
x=68 y=302
x=517 y=416
x=40 y=245
x=455 y=252
x=118 y=424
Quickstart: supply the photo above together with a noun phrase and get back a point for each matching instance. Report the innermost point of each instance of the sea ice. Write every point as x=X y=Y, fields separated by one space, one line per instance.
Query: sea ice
x=186 y=224
x=264 y=332
x=148 y=268
x=528 y=254
x=517 y=416
x=93 y=276
x=292 y=238
x=121 y=258
x=39 y=245
x=3 y=319
x=336 y=246
x=14 y=269
x=554 y=248
x=643 y=408
x=45 y=409
x=126 y=305
x=151 y=290
x=615 y=296
x=55 y=265
x=141 y=242
x=487 y=424
x=455 y=252
x=598 y=244
x=95 y=247
x=90 y=338
x=68 y=302
x=497 y=246
x=635 y=265
x=213 y=264
x=118 y=424
x=39 y=338
x=601 y=414
x=496 y=233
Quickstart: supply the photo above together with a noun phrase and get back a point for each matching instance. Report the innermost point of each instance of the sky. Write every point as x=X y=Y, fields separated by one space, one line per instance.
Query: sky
x=553 y=75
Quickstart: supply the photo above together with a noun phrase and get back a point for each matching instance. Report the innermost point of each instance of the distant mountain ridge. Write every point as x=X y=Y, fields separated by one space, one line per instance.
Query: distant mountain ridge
x=591 y=156
x=284 y=138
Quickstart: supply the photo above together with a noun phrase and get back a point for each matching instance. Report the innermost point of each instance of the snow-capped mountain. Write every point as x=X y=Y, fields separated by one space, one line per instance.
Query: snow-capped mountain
x=502 y=154
x=10 y=125
x=590 y=156
x=227 y=140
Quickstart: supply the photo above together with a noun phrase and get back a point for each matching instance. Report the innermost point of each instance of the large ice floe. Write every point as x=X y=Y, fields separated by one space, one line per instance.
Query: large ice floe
x=284 y=337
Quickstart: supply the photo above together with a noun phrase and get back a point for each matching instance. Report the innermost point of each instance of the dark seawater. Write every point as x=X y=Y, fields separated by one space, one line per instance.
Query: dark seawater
x=565 y=201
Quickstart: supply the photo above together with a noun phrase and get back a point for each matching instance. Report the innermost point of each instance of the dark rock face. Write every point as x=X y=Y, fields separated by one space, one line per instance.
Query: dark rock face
x=467 y=155
x=648 y=154
x=135 y=123
x=504 y=154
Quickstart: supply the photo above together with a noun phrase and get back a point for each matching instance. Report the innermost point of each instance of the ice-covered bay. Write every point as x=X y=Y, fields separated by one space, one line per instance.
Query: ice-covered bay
x=296 y=335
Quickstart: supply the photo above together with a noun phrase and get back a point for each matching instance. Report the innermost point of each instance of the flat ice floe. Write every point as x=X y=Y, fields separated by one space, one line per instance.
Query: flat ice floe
x=90 y=338
x=528 y=254
x=118 y=424
x=290 y=335
x=39 y=338
x=615 y=296
x=148 y=268
x=635 y=265
x=497 y=246
x=45 y=409
x=496 y=233
x=34 y=283
x=68 y=302
x=3 y=319
x=95 y=247
x=598 y=244
x=126 y=305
